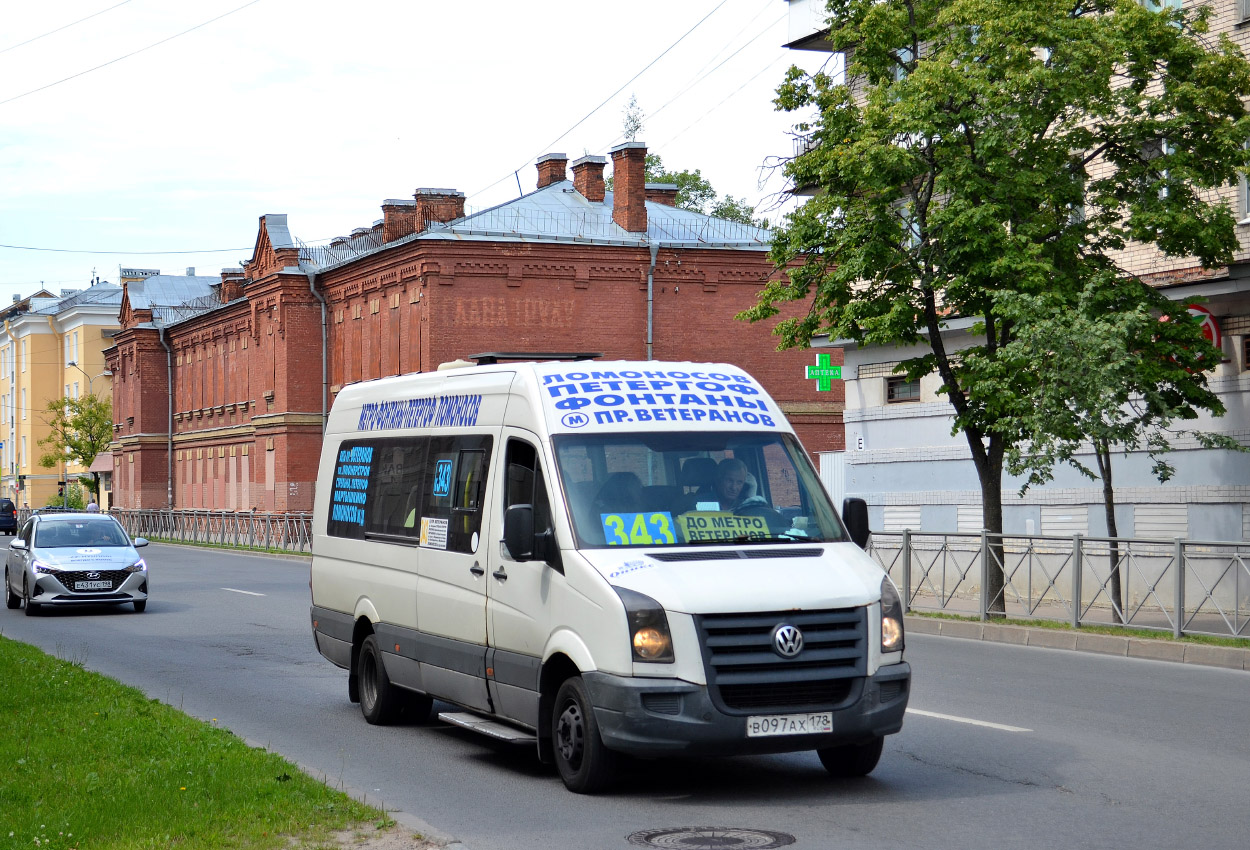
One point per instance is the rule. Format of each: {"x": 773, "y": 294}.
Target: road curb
{"x": 1227, "y": 657}
{"x": 409, "y": 821}
{"x": 226, "y": 550}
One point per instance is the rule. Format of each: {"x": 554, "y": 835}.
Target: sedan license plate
{"x": 767, "y": 725}
{"x": 93, "y": 585}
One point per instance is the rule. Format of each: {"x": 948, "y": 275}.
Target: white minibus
{"x": 600, "y": 558}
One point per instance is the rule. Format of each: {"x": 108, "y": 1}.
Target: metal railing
{"x": 1182, "y": 586}
{"x": 285, "y": 532}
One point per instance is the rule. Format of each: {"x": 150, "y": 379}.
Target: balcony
{"x": 807, "y": 27}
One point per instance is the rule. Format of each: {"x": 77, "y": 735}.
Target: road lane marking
{"x": 955, "y": 719}
{"x": 248, "y": 592}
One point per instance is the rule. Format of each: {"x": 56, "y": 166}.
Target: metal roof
{"x": 557, "y": 213}
{"x": 164, "y": 290}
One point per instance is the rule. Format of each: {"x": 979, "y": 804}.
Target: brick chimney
{"x": 629, "y": 194}
{"x": 662, "y": 193}
{"x": 551, "y": 169}
{"x": 399, "y": 219}
{"x": 439, "y": 205}
{"x": 588, "y": 177}
{"x": 231, "y": 285}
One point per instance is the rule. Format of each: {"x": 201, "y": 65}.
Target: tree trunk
{"x": 989, "y": 464}
{"x": 1102, "y": 452}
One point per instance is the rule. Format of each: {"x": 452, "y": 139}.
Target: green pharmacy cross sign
{"x": 824, "y": 373}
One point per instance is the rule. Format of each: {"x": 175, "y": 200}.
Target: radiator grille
{"x": 745, "y": 674}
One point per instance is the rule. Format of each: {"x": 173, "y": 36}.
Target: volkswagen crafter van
{"x": 600, "y": 558}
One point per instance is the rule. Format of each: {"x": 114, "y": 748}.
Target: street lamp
{"x": 90, "y": 378}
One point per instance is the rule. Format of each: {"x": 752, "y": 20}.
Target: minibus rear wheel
{"x": 852, "y": 760}
{"x": 585, "y": 764}
{"x": 380, "y": 702}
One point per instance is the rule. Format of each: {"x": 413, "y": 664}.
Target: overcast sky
{"x": 321, "y": 110}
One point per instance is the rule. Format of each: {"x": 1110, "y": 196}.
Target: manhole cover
{"x": 710, "y": 838}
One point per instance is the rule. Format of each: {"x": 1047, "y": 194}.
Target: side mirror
{"x": 139, "y": 541}
{"x": 18, "y": 543}
{"x": 518, "y": 532}
{"x": 523, "y": 544}
{"x": 855, "y": 515}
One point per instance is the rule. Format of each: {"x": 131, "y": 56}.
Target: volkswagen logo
{"x": 787, "y": 640}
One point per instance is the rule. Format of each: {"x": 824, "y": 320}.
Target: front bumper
{"x": 656, "y": 717}
{"x": 48, "y": 589}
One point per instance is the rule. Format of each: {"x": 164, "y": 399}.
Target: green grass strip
{"x": 86, "y": 762}
{"x": 1090, "y": 628}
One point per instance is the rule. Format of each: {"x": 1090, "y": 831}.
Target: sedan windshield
{"x": 678, "y": 488}
{"x": 73, "y": 533}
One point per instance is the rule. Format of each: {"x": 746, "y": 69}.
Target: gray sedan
{"x": 75, "y": 559}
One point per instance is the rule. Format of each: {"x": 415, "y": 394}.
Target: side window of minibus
{"x": 455, "y": 481}
{"x": 525, "y": 484}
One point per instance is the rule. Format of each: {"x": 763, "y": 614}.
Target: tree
{"x": 1112, "y": 374}
{"x": 81, "y": 428}
{"x": 985, "y": 157}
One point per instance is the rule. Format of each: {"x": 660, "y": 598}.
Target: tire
{"x": 11, "y": 599}
{"x": 414, "y": 707}
{"x": 585, "y": 764}
{"x": 32, "y": 608}
{"x": 141, "y": 605}
{"x": 380, "y": 701}
{"x": 852, "y": 760}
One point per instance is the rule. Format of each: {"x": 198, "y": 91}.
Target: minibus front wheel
{"x": 585, "y": 764}
{"x": 852, "y": 760}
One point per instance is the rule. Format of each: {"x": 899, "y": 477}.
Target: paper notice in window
{"x": 434, "y": 532}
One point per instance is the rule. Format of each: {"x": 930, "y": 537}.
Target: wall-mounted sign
{"x": 1210, "y": 326}
{"x": 824, "y": 373}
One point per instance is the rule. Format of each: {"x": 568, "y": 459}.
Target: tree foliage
{"x": 80, "y": 429}
{"x": 985, "y": 160}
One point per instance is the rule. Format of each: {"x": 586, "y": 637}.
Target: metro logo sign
{"x": 1206, "y": 321}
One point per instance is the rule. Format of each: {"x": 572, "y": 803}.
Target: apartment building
{"x": 51, "y": 347}
{"x": 902, "y": 457}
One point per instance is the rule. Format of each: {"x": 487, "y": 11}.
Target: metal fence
{"x": 1182, "y": 586}
{"x": 285, "y": 532}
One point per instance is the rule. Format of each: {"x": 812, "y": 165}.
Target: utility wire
{"x": 128, "y": 253}
{"x": 728, "y": 97}
{"x": 128, "y": 55}
{"x": 59, "y": 29}
{"x": 607, "y": 100}
{"x": 690, "y": 86}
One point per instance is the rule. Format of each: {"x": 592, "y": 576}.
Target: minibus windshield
{"x": 692, "y": 488}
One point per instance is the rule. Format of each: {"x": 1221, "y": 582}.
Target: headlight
{"x": 40, "y": 567}
{"x": 891, "y": 617}
{"x": 138, "y": 566}
{"x": 649, "y": 638}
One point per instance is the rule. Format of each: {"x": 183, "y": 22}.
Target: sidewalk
{"x": 1131, "y": 647}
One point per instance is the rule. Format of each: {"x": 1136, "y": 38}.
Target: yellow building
{"x": 50, "y": 348}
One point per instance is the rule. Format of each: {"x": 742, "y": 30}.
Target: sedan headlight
{"x": 891, "y": 617}
{"x": 649, "y": 638}
{"x": 43, "y": 569}
{"x": 138, "y": 566}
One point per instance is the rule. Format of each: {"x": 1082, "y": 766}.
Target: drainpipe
{"x": 655, "y": 250}
{"x": 325, "y": 383}
{"x": 169, "y": 424}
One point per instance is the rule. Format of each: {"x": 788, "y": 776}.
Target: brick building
{"x": 220, "y": 391}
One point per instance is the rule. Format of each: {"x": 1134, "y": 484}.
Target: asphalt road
{"x": 1004, "y": 746}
